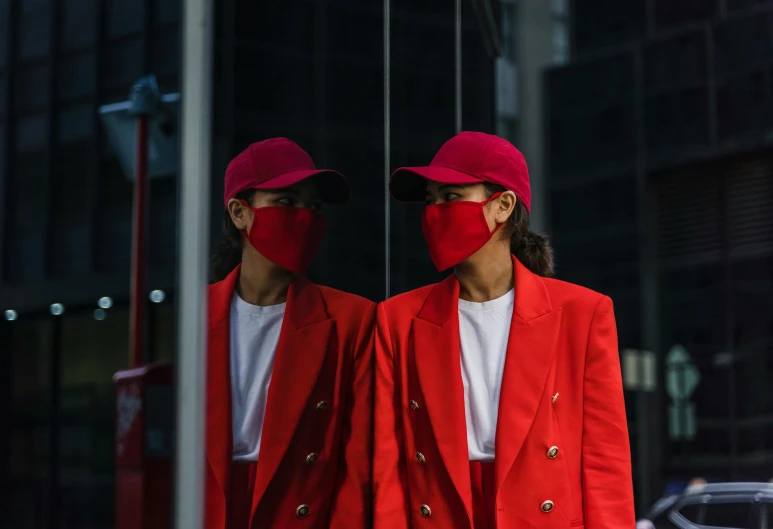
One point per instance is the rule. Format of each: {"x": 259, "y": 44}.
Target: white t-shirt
{"x": 484, "y": 329}
{"x": 254, "y": 338}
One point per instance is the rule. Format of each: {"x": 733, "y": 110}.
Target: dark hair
{"x": 228, "y": 253}
{"x": 531, "y": 248}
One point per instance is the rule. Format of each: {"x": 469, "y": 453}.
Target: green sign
{"x": 682, "y": 376}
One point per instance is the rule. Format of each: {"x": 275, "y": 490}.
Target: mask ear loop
{"x": 492, "y": 198}
{"x": 246, "y": 204}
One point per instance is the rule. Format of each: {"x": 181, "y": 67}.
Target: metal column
{"x": 458, "y": 65}
{"x": 647, "y": 405}
{"x": 198, "y": 18}
{"x": 387, "y": 147}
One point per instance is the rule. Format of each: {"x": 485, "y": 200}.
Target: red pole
{"x": 137, "y": 292}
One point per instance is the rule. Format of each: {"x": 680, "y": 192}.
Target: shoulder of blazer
{"x": 346, "y": 307}
{"x": 407, "y": 305}
{"x": 219, "y": 298}
{"x": 570, "y": 297}
{"x": 344, "y": 301}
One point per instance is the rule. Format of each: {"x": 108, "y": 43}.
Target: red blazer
{"x": 320, "y": 401}
{"x": 561, "y": 387}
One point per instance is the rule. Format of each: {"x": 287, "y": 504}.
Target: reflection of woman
{"x": 289, "y": 403}
{"x": 499, "y": 400}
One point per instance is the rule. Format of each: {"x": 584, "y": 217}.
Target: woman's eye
{"x": 285, "y": 201}
{"x": 451, "y": 196}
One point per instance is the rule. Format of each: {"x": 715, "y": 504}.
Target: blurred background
{"x": 647, "y": 126}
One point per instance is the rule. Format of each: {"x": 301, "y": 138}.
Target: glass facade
{"x": 312, "y": 71}
{"x": 653, "y": 160}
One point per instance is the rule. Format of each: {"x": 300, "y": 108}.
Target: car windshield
{"x": 735, "y": 515}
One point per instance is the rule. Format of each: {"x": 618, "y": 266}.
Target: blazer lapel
{"x": 436, "y": 353}
{"x": 531, "y": 349}
{"x": 303, "y": 346}
{"x": 218, "y": 426}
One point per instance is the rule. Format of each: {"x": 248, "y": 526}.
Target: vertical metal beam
{"x": 47, "y": 195}
{"x": 320, "y": 82}
{"x": 55, "y": 351}
{"x": 5, "y": 174}
{"x": 458, "y": 65}
{"x": 224, "y": 98}
{"x": 729, "y": 320}
{"x": 226, "y": 109}
{"x": 729, "y": 313}
{"x": 711, "y": 84}
{"x": 323, "y": 264}
{"x": 197, "y": 53}
{"x": 94, "y": 184}
{"x": 6, "y": 395}
{"x": 387, "y": 146}
{"x": 49, "y": 229}
{"x": 646, "y": 429}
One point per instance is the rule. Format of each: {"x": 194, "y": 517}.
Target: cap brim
{"x": 333, "y": 185}
{"x": 409, "y": 184}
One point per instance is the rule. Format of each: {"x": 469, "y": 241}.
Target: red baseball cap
{"x": 467, "y": 158}
{"x": 277, "y": 163}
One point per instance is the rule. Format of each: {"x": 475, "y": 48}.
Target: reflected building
{"x": 65, "y": 221}
{"x": 660, "y": 186}
{"x": 309, "y": 70}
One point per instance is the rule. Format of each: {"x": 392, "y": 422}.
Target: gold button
{"x": 302, "y": 511}
{"x": 414, "y": 404}
{"x": 426, "y": 512}
{"x": 420, "y": 458}
{"x": 553, "y": 452}
{"x": 322, "y": 405}
{"x": 312, "y": 458}
{"x": 547, "y": 506}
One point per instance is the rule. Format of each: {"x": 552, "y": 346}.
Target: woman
{"x": 499, "y": 399}
{"x": 289, "y": 380}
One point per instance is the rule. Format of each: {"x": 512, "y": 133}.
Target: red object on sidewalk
{"x": 143, "y": 442}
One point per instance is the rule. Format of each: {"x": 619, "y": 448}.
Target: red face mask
{"x": 287, "y": 236}
{"x": 455, "y": 230}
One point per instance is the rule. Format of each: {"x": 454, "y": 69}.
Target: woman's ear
{"x": 240, "y": 214}
{"x": 505, "y": 206}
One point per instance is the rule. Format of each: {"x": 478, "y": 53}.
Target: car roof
{"x": 695, "y": 493}
{"x": 729, "y": 488}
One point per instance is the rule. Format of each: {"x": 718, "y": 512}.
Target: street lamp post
{"x": 144, "y": 99}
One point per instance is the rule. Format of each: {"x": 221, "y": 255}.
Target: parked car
{"x": 717, "y": 505}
